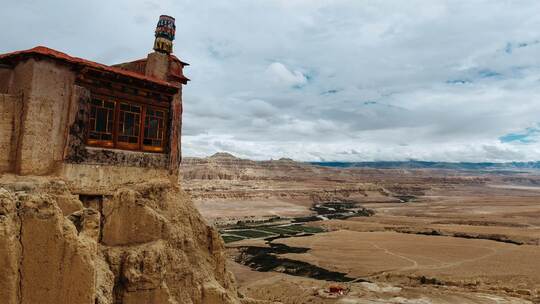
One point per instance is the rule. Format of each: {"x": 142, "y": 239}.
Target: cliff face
{"x": 223, "y": 176}
{"x": 224, "y": 166}
{"x": 143, "y": 244}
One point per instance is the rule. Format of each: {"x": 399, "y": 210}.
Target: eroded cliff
{"x": 140, "y": 244}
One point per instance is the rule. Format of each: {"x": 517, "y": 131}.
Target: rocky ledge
{"x": 143, "y": 244}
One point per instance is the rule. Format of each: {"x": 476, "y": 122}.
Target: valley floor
{"x": 433, "y": 237}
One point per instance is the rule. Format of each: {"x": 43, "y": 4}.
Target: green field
{"x": 278, "y": 230}
{"x": 233, "y": 235}
{"x": 306, "y": 229}
{"x": 249, "y": 233}
{"x": 231, "y": 238}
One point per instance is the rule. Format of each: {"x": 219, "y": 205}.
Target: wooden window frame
{"x": 101, "y": 142}
{"x": 165, "y": 118}
{"x": 117, "y": 123}
{"x": 139, "y": 146}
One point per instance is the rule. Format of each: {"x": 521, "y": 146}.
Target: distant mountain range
{"x": 413, "y": 164}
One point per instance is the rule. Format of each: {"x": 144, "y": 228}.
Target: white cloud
{"x": 281, "y": 74}
{"x": 318, "y": 79}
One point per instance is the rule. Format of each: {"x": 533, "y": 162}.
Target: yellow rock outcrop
{"x": 142, "y": 244}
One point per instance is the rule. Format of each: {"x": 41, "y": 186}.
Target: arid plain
{"x": 299, "y": 233}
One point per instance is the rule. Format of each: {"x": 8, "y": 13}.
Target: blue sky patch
{"x": 458, "y": 81}
{"x": 509, "y": 48}
{"x": 487, "y": 73}
{"x": 526, "y": 137}
{"x": 330, "y": 92}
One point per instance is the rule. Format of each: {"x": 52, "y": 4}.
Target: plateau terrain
{"x": 320, "y": 233}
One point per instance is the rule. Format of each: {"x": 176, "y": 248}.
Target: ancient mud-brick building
{"x": 93, "y": 124}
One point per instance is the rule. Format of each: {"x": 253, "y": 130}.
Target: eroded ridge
{"x": 137, "y": 244}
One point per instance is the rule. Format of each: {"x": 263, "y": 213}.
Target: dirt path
{"x": 412, "y": 267}
{"x": 415, "y": 265}
{"x": 493, "y": 252}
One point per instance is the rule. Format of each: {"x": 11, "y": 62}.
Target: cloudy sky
{"x": 325, "y": 80}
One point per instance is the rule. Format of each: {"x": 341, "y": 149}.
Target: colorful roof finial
{"x": 165, "y": 31}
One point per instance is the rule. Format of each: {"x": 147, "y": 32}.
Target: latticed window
{"x": 154, "y": 129}
{"x": 101, "y": 122}
{"x": 127, "y": 125}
